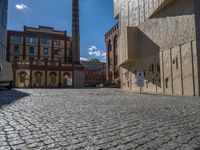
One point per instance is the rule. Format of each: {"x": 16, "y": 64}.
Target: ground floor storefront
{"x": 44, "y": 74}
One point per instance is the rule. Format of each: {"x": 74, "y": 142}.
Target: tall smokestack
{"x": 75, "y": 32}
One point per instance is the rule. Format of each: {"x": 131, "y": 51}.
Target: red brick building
{"x": 111, "y": 40}
{"x": 42, "y": 57}
{"x": 95, "y": 72}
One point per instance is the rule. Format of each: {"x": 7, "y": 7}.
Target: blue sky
{"x": 96, "y": 18}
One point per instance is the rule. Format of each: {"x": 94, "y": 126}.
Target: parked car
{"x": 6, "y": 74}
{"x": 100, "y": 85}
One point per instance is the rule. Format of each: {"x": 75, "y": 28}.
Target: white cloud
{"x": 21, "y": 6}
{"x": 83, "y": 59}
{"x": 97, "y": 53}
{"x": 104, "y": 54}
{"x": 94, "y": 51}
{"x": 92, "y": 48}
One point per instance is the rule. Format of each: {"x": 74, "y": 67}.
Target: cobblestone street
{"x": 97, "y": 119}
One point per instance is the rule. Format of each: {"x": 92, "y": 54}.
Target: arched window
{"x": 109, "y": 46}
{"x": 53, "y": 76}
{"x": 22, "y": 77}
{"x": 38, "y": 79}
{"x": 115, "y": 50}
{"x": 115, "y": 42}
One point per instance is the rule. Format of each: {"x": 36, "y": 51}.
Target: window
{"x": 38, "y": 79}
{"x": 166, "y": 82}
{"x": 16, "y": 49}
{"x": 177, "y": 64}
{"x": 16, "y": 58}
{"x": 109, "y": 46}
{"x": 53, "y": 79}
{"x": 44, "y": 41}
{"x": 115, "y": 42}
{"x": 60, "y": 59}
{"x": 110, "y": 61}
{"x": 92, "y": 66}
{"x": 158, "y": 67}
{"x": 152, "y": 68}
{"x": 57, "y": 43}
{"x": 22, "y": 77}
{"x": 16, "y": 38}
{"x": 147, "y": 84}
{"x": 31, "y": 50}
{"x": 46, "y": 51}
{"x": 31, "y": 40}
{"x": 58, "y": 51}
{"x": 70, "y": 59}
{"x": 31, "y": 58}
{"x": 45, "y": 59}
{"x": 70, "y": 53}
{"x": 1, "y": 67}
{"x": 153, "y": 81}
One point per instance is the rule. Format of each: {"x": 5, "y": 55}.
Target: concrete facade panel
{"x": 166, "y": 38}
{"x": 176, "y": 70}
{"x": 188, "y": 88}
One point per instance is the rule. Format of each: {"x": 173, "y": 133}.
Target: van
{"x": 6, "y": 74}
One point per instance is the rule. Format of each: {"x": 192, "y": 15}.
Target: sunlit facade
{"x": 162, "y": 38}
{"x": 42, "y": 57}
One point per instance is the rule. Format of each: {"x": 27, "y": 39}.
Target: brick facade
{"x": 111, "y": 40}
{"x": 42, "y": 57}
{"x": 95, "y": 73}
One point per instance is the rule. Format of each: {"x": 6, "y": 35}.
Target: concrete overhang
{"x": 128, "y": 51}
{"x": 163, "y": 4}
{"x": 126, "y": 63}
{"x": 117, "y": 8}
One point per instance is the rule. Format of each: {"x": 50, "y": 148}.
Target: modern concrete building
{"x": 162, "y": 37}
{"x": 95, "y": 73}
{"x": 3, "y": 28}
{"x": 42, "y": 57}
{"x": 112, "y": 68}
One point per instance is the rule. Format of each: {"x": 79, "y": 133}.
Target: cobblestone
{"x": 97, "y": 119}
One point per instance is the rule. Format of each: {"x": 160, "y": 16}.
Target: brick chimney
{"x": 75, "y": 32}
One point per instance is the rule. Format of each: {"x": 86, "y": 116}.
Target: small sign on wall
{"x": 140, "y": 78}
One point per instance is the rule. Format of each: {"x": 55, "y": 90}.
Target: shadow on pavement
{"x": 9, "y": 96}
